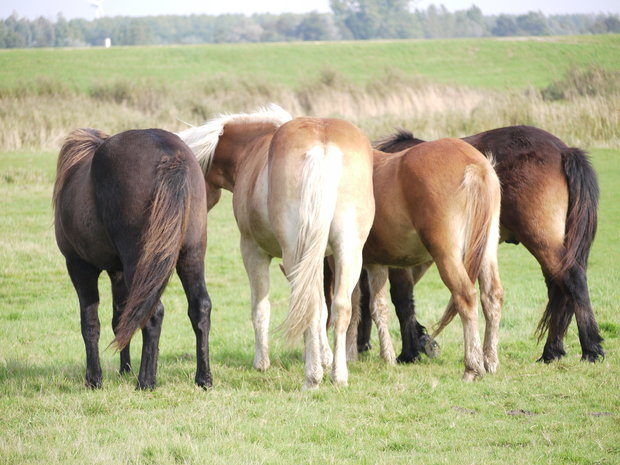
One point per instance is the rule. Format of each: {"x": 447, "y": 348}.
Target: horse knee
{"x": 342, "y": 312}
{"x": 199, "y": 311}
{"x": 466, "y": 303}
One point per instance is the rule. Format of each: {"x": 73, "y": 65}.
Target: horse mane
{"x": 400, "y": 140}
{"x": 202, "y": 140}
{"x": 79, "y": 144}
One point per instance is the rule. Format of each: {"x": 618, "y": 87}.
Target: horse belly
{"x": 393, "y": 249}
{"x": 253, "y": 221}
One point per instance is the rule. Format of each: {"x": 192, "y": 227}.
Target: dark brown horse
{"x": 122, "y": 204}
{"x": 549, "y": 204}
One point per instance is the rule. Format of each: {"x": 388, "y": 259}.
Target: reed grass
{"x": 40, "y": 119}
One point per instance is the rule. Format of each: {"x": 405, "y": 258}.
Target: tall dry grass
{"x": 39, "y": 118}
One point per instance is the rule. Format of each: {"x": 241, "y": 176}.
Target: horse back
{"x": 300, "y": 140}
{"x": 124, "y": 176}
{"x": 419, "y": 197}
{"x": 535, "y": 197}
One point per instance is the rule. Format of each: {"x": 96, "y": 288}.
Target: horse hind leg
{"x": 256, "y": 264}
{"x": 84, "y": 278}
{"x": 492, "y": 298}
{"x": 364, "y": 326}
{"x": 119, "y": 296}
{"x": 147, "y": 378}
{"x": 190, "y": 269}
{"x": 589, "y": 333}
{"x": 555, "y": 321}
{"x": 464, "y": 302}
{"x": 379, "y": 310}
{"x": 353, "y": 336}
{"x": 568, "y": 295}
{"x": 348, "y": 265}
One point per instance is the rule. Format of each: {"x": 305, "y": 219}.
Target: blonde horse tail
{"x": 319, "y": 191}
{"x": 481, "y": 230}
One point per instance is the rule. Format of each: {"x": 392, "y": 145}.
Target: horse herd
{"x": 135, "y": 205}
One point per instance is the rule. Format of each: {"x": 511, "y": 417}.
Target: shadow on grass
{"x": 231, "y": 369}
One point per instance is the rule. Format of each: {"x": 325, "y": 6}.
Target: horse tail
{"x": 80, "y": 145}
{"x": 581, "y": 219}
{"x": 481, "y": 188}
{"x": 161, "y": 243}
{"x": 319, "y": 191}
{"x": 580, "y": 227}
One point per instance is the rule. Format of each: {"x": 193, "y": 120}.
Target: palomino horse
{"x": 429, "y": 209}
{"x": 122, "y": 204}
{"x": 320, "y": 198}
{"x": 549, "y": 204}
{"x": 233, "y": 151}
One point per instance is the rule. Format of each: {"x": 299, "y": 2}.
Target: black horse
{"x": 549, "y": 204}
{"x": 134, "y": 205}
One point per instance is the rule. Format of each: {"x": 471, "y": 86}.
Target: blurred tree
{"x": 505, "y": 26}
{"x": 606, "y": 25}
{"x": 533, "y": 24}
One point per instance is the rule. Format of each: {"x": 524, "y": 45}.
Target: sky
{"x": 82, "y": 9}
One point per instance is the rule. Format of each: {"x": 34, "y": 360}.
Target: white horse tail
{"x": 481, "y": 188}
{"x": 320, "y": 178}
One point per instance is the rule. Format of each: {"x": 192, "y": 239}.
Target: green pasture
{"x": 566, "y": 412}
{"x": 488, "y": 63}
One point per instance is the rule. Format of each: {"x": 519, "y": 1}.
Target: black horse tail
{"x": 581, "y": 219}
{"x": 580, "y": 229}
{"x": 80, "y": 145}
{"x": 162, "y": 239}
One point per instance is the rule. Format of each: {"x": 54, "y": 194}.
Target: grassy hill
{"x": 484, "y": 63}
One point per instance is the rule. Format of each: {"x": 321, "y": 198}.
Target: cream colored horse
{"x": 320, "y": 202}
{"x": 233, "y": 152}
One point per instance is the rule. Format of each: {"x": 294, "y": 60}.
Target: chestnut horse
{"x": 439, "y": 201}
{"x": 549, "y": 204}
{"x": 234, "y": 152}
{"x": 134, "y": 205}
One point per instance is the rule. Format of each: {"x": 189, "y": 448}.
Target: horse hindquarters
{"x": 320, "y": 194}
{"x": 567, "y": 287}
{"x": 476, "y": 255}
{"x": 150, "y": 228}
{"x": 303, "y": 234}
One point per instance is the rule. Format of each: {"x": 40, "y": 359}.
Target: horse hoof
{"x": 339, "y": 378}
{"x": 471, "y": 376}
{"x": 150, "y": 386}
{"x": 491, "y": 367}
{"x": 364, "y": 347}
{"x": 389, "y": 358}
{"x": 408, "y": 358}
{"x": 262, "y": 365}
{"x": 593, "y": 357}
{"x": 205, "y": 383}
{"x": 93, "y": 383}
{"x": 310, "y": 386}
{"x": 431, "y": 347}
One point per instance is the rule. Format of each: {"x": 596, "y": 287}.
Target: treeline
{"x": 349, "y": 20}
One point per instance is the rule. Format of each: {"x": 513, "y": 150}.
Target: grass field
{"x": 566, "y": 412}
{"x": 487, "y": 63}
